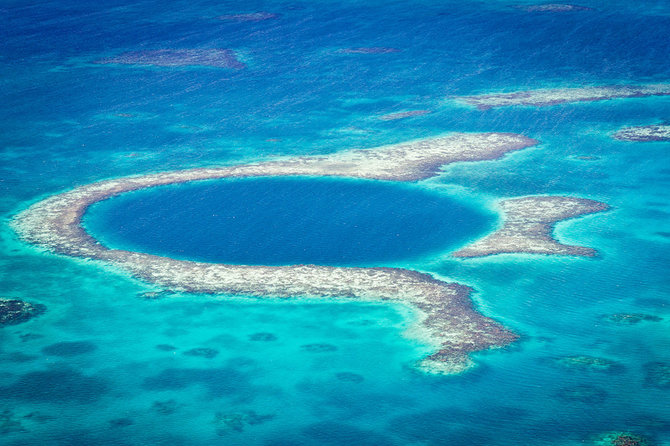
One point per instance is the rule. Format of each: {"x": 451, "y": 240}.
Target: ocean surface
{"x": 287, "y": 221}
{"x": 116, "y": 361}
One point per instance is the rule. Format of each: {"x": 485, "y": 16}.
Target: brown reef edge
{"x": 446, "y": 319}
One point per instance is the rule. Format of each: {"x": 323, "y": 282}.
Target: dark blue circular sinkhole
{"x": 286, "y": 220}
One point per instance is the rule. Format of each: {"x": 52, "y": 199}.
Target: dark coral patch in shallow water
{"x": 202, "y": 352}
{"x": 227, "y": 423}
{"x": 631, "y": 318}
{"x": 155, "y": 295}
{"x": 349, "y": 377}
{"x": 620, "y": 439}
{"x": 14, "y": 311}
{"x": 318, "y": 348}
{"x": 262, "y": 337}
{"x": 56, "y": 386}
{"x": 10, "y": 423}
{"x": 165, "y": 407}
{"x": 121, "y": 422}
{"x": 228, "y": 381}
{"x": 657, "y": 374}
{"x": 166, "y": 347}
{"x": 27, "y": 337}
{"x": 74, "y": 348}
{"x": 19, "y": 357}
{"x": 589, "y": 363}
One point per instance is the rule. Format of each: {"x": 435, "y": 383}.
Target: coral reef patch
{"x": 585, "y": 393}
{"x": 589, "y": 363}
{"x": 657, "y": 374}
{"x": 218, "y": 58}
{"x": 620, "y": 439}
{"x": 403, "y": 115}
{"x": 227, "y": 423}
{"x": 202, "y": 352}
{"x": 630, "y": 318}
{"x": 528, "y": 224}
{"x": 15, "y": 311}
{"x": 645, "y": 133}
{"x": 554, "y": 96}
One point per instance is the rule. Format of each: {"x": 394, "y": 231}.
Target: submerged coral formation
{"x": 227, "y": 423}
{"x": 249, "y": 17}
{"x": 553, "y": 96}
{"x": 445, "y": 319}
{"x": 202, "y": 352}
{"x": 590, "y": 363}
{"x": 657, "y": 374}
{"x": 14, "y": 311}
{"x": 403, "y": 115}
{"x": 645, "y": 133}
{"x": 620, "y": 439}
{"x": 219, "y": 58}
{"x": 552, "y": 7}
{"x": 631, "y": 318}
{"x": 369, "y": 50}
{"x": 528, "y": 224}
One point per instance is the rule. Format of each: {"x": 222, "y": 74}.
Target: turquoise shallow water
{"x": 288, "y": 372}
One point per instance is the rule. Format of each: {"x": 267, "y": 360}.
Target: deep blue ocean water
{"x": 287, "y": 221}
{"x": 105, "y": 366}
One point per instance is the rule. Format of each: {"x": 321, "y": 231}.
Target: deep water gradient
{"x": 281, "y": 221}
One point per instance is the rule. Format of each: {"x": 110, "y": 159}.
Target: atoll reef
{"x": 553, "y": 7}
{"x": 554, "y": 96}
{"x": 14, "y": 311}
{"x": 446, "y": 317}
{"x": 620, "y": 439}
{"x": 403, "y": 115}
{"x": 249, "y": 17}
{"x": 528, "y": 224}
{"x": 219, "y": 58}
{"x": 645, "y": 133}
